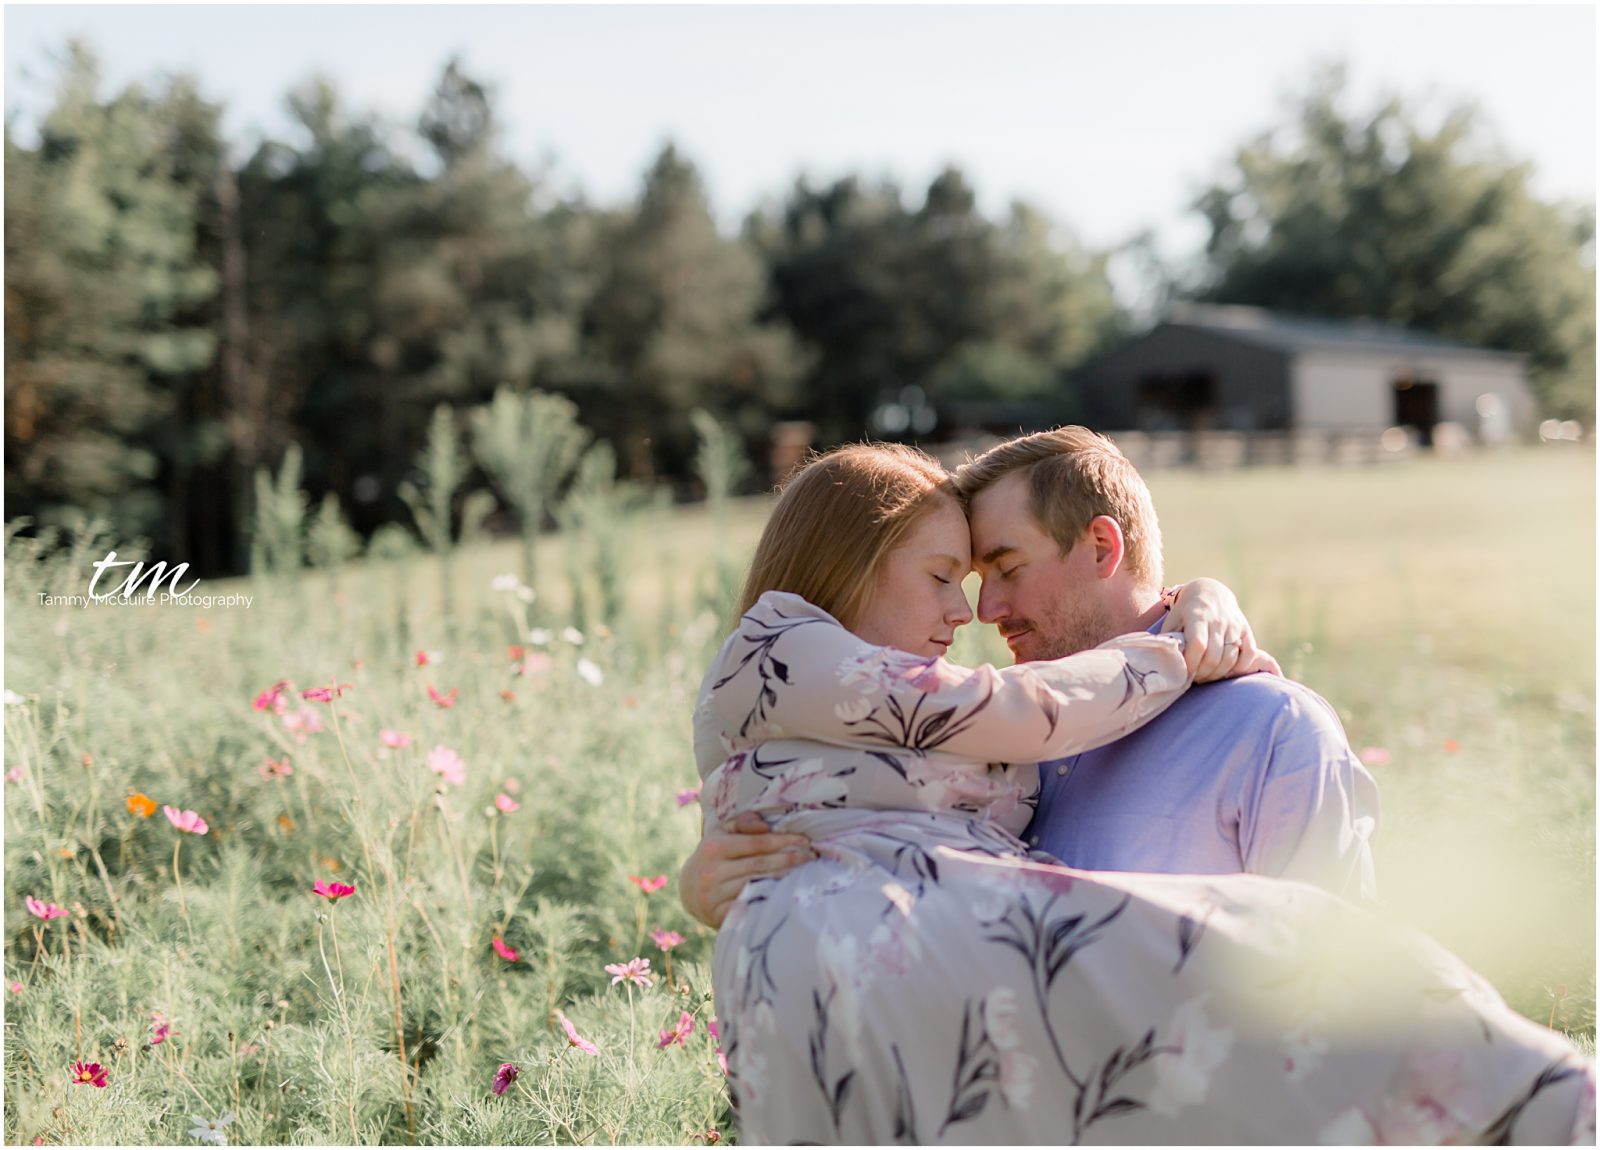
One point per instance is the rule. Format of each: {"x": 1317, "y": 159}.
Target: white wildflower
{"x": 572, "y": 635}
{"x": 526, "y": 593}
{"x": 13, "y": 699}
{"x": 590, "y": 674}
{"x": 506, "y": 583}
{"x": 212, "y": 1130}
{"x": 540, "y": 637}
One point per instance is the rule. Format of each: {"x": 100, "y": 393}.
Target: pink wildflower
{"x": 648, "y": 885}
{"x": 576, "y": 1039}
{"x": 537, "y": 663}
{"x": 45, "y": 910}
{"x": 714, "y": 1030}
{"x": 422, "y": 658}
{"x": 393, "y": 738}
{"x": 302, "y": 723}
{"x": 507, "y": 1072}
{"x": 14, "y": 987}
{"x": 160, "y": 1028}
{"x": 688, "y": 796}
{"x": 275, "y": 768}
{"x": 680, "y": 1030}
{"x": 635, "y": 970}
{"x": 1374, "y": 756}
{"x": 504, "y": 951}
{"x": 272, "y": 698}
{"x": 448, "y": 700}
{"x": 332, "y": 891}
{"x": 448, "y": 765}
{"x": 16, "y": 774}
{"x": 186, "y": 821}
{"x": 667, "y": 939}
{"x": 88, "y": 1074}
{"x": 505, "y": 804}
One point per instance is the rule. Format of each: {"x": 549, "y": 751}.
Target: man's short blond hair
{"x": 1073, "y": 475}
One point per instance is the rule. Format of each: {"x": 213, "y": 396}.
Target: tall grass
{"x": 1446, "y": 608}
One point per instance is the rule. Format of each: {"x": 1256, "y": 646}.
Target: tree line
{"x": 178, "y": 316}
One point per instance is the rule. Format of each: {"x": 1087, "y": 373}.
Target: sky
{"x": 1109, "y": 118}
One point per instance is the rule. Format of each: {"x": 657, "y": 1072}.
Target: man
{"x": 1251, "y": 774}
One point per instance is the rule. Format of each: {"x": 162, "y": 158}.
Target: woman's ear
{"x": 1105, "y": 537}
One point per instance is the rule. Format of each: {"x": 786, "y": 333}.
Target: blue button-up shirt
{"x": 1249, "y": 774}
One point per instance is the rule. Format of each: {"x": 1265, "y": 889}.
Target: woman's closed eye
{"x": 942, "y": 579}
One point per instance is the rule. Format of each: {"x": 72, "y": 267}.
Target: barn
{"x": 1240, "y": 369}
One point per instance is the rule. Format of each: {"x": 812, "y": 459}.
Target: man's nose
{"x": 991, "y": 605}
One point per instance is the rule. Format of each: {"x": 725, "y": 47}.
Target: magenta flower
{"x": 89, "y": 1074}
{"x": 505, "y": 804}
{"x": 16, "y": 774}
{"x": 667, "y": 939}
{"x": 272, "y": 698}
{"x": 332, "y": 891}
{"x": 446, "y": 700}
{"x": 160, "y": 1028}
{"x": 688, "y": 796}
{"x": 576, "y": 1039}
{"x": 680, "y": 1030}
{"x": 714, "y": 1030}
{"x": 45, "y": 910}
{"x": 393, "y": 738}
{"x": 448, "y": 765}
{"x": 15, "y": 987}
{"x": 506, "y": 1074}
{"x": 504, "y": 951}
{"x": 635, "y": 970}
{"x": 648, "y": 885}
{"x": 186, "y": 821}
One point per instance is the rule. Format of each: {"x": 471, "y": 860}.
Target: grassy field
{"x": 1446, "y": 608}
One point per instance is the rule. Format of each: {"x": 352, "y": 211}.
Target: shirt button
{"x": 1034, "y": 841}
{"x": 1062, "y": 769}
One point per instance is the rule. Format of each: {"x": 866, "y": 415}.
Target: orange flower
{"x": 508, "y": 696}
{"x": 286, "y": 824}
{"x": 1451, "y": 746}
{"x": 142, "y": 805}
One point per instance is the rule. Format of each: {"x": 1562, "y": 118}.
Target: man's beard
{"x": 1076, "y": 626}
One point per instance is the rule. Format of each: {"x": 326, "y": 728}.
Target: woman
{"x": 928, "y": 981}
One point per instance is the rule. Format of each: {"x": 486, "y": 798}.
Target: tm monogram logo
{"x": 130, "y": 585}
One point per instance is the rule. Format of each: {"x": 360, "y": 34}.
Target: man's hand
{"x": 725, "y": 860}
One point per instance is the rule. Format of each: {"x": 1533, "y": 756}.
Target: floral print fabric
{"x": 928, "y": 980}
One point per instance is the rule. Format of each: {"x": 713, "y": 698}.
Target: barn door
{"x": 1416, "y": 404}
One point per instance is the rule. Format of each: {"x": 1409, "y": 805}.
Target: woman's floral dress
{"x": 928, "y": 981}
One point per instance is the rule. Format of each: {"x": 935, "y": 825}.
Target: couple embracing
{"x": 914, "y": 963}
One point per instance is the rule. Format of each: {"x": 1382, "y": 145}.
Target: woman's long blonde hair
{"x": 838, "y": 517}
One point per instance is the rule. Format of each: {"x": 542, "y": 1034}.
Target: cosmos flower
{"x": 141, "y": 804}
{"x": 160, "y": 1028}
{"x": 572, "y": 635}
{"x": 213, "y": 1130}
{"x": 16, "y": 774}
{"x": 505, "y": 804}
{"x": 444, "y": 701}
{"x": 44, "y": 910}
{"x": 302, "y": 723}
{"x": 504, "y": 1076}
{"x": 332, "y": 891}
{"x": 393, "y": 738}
{"x": 679, "y": 1031}
{"x": 590, "y": 673}
{"x": 1375, "y": 756}
{"x": 635, "y": 970}
{"x": 504, "y": 951}
{"x": 88, "y": 1074}
{"x": 275, "y": 768}
{"x": 272, "y": 698}
{"x": 188, "y": 822}
{"x": 448, "y": 765}
{"x": 576, "y": 1039}
{"x": 648, "y": 885}
{"x": 540, "y": 637}
{"x": 667, "y": 939}
{"x": 685, "y": 797}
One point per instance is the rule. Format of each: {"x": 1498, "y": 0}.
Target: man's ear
{"x": 1105, "y": 538}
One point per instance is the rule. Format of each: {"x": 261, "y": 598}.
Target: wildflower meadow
{"x": 389, "y": 854}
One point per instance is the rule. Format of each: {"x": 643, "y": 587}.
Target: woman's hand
{"x": 1218, "y": 642}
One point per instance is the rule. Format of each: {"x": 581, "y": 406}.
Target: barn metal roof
{"x": 1281, "y": 331}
